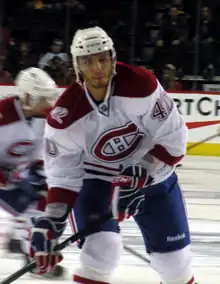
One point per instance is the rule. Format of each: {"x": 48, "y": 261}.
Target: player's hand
{"x": 43, "y": 239}
{"x": 128, "y": 198}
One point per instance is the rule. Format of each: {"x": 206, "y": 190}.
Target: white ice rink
{"x": 200, "y": 180}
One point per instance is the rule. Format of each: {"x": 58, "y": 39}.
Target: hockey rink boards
{"x": 200, "y": 181}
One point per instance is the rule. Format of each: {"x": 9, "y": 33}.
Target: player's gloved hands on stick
{"x": 128, "y": 198}
{"x": 43, "y": 239}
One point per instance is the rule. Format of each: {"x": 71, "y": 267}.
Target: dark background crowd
{"x": 178, "y": 40}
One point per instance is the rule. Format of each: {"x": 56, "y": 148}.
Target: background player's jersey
{"x": 17, "y": 141}
{"x": 137, "y": 122}
{"x": 38, "y": 125}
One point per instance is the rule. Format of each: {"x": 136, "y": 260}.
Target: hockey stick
{"x": 204, "y": 140}
{"x": 90, "y": 229}
{"x": 137, "y": 254}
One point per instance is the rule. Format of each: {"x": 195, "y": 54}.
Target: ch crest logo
{"x": 20, "y": 149}
{"x": 117, "y": 144}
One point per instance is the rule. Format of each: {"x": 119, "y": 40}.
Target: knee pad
{"x": 174, "y": 267}
{"x": 100, "y": 256}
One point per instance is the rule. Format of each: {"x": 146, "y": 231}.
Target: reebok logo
{"x": 176, "y": 238}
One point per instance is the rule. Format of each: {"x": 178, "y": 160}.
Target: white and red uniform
{"x": 85, "y": 144}
{"x": 20, "y": 145}
{"x": 17, "y": 137}
{"x": 137, "y": 118}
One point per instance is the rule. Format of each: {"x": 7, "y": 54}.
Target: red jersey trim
{"x": 83, "y": 280}
{"x": 70, "y": 107}
{"x": 9, "y": 112}
{"x": 134, "y": 82}
{"x": 102, "y": 167}
{"x": 61, "y": 195}
{"x": 161, "y": 153}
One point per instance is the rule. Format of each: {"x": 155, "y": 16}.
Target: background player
{"x": 23, "y": 183}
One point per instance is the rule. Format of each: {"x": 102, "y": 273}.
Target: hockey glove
{"x": 35, "y": 185}
{"x": 128, "y": 198}
{"x": 8, "y": 178}
{"x": 43, "y": 239}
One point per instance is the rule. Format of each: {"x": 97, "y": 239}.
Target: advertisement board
{"x": 201, "y": 112}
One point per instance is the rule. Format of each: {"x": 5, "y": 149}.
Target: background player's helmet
{"x": 37, "y": 83}
{"x": 91, "y": 41}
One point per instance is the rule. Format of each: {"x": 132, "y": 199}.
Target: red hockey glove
{"x": 44, "y": 237}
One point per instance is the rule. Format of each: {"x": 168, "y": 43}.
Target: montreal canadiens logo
{"x": 118, "y": 144}
{"x": 21, "y": 148}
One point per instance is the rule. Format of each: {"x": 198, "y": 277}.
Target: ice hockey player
{"x": 24, "y": 83}
{"x": 22, "y": 180}
{"x": 114, "y": 126}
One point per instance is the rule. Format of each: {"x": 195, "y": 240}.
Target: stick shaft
{"x": 202, "y": 141}
{"x": 137, "y": 254}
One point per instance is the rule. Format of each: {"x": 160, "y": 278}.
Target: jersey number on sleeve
{"x": 162, "y": 108}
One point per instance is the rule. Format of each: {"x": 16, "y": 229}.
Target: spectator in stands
{"x": 169, "y": 80}
{"x": 55, "y": 56}
{"x": 55, "y": 62}
{"x": 209, "y": 72}
{"x": 70, "y": 76}
{"x": 207, "y": 39}
{"x": 19, "y": 57}
{"x": 61, "y": 72}
{"x": 175, "y": 28}
{"x": 27, "y": 57}
{"x": 173, "y": 35}
{"x": 113, "y": 22}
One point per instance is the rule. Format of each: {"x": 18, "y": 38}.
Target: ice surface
{"x": 200, "y": 181}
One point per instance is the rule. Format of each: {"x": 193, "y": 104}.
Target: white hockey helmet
{"x": 37, "y": 83}
{"x": 91, "y": 41}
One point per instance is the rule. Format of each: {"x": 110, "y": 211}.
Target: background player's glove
{"x": 8, "y": 177}
{"x": 35, "y": 185}
{"x": 44, "y": 236}
{"x": 128, "y": 198}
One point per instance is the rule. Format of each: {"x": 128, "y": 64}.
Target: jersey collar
{"x": 103, "y": 107}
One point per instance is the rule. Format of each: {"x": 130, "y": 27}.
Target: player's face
{"x": 96, "y": 69}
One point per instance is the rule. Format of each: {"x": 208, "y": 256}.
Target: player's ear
{"x": 78, "y": 64}
{"x": 80, "y": 74}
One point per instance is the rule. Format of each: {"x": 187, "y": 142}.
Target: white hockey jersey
{"x": 17, "y": 141}
{"x": 137, "y": 123}
{"x": 38, "y": 125}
